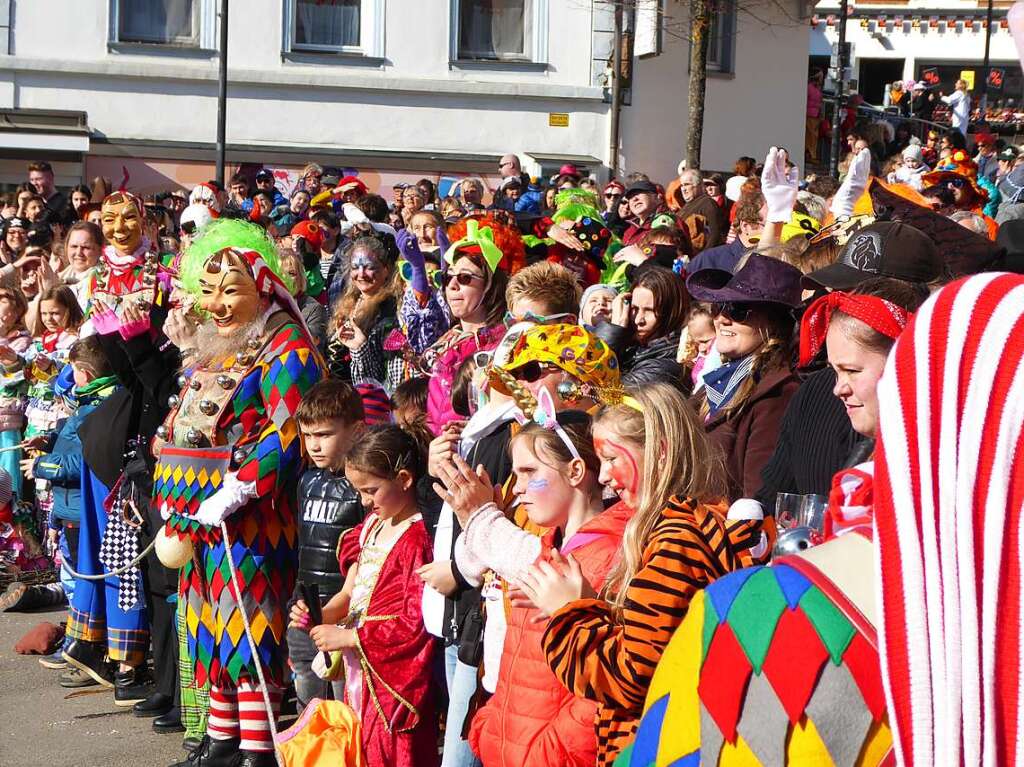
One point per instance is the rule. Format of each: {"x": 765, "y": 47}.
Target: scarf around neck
{"x": 721, "y": 383}
{"x": 119, "y": 263}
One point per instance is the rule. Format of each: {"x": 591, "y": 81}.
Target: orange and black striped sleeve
{"x": 612, "y": 661}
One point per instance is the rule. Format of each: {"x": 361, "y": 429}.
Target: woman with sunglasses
{"x": 743, "y": 401}
{"x": 645, "y": 326}
{"x": 366, "y": 314}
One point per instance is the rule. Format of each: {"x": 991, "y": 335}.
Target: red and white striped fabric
{"x": 949, "y": 492}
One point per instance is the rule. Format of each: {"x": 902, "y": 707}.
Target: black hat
{"x": 264, "y": 173}
{"x": 882, "y": 249}
{"x": 641, "y": 187}
{"x": 756, "y": 279}
{"x": 16, "y": 222}
{"x": 1011, "y": 239}
{"x": 1009, "y": 154}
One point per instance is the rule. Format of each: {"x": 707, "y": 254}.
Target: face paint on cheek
{"x": 537, "y": 485}
{"x": 625, "y": 472}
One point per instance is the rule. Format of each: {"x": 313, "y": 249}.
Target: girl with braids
{"x": 366, "y": 314}
{"x": 373, "y": 627}
{"x": 603, "y": 647}
{"x": 743, "y": 401}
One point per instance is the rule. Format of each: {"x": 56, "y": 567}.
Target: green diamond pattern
{"x": 755, "y": 613}
{"x": 834, "y": 629}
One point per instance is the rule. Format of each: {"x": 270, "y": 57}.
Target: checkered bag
{"x": 120, "y": 546}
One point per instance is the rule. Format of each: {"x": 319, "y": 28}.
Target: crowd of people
{"x": 557, "y": 472}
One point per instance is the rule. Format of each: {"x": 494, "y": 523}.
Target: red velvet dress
{"x": 396, "y": 653}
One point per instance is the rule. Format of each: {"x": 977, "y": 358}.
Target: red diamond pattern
{"x": 794, "y": 662}
{"x": 723, "y": 680}
{"x": 862, "y": 660}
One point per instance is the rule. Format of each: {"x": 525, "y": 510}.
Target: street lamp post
{"x": 222, "y": 91}
{"x": 983, "y": 101}
{"x": 833, "y": 164}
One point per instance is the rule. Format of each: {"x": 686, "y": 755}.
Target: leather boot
{"x": 19, "y": 597}
{"x": 156, "y": 704}
{"x": 131, "y": 687}
{"x": 91, "y": 659}
{"x": 256, "y": 759}
{"x": 212, "y": 753}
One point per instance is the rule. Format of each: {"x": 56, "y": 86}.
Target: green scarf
{"x": 94, "y": 386}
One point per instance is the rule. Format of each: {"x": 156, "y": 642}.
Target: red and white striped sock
{"x": 223, "y": 721}
{"x": 252, "y": 714}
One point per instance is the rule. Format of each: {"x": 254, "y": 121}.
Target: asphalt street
{"x": 41, "y": 727}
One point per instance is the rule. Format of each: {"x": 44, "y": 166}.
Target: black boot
{"x": 91, "y": 659}
{"x": 19, "y": 597}
{"x": 169, "y": 722}
{"x": 256, "y": 759}
{"x": 156, "y": 704}
{"x": 131, "y": 687}
{"x": 212, "y": 753}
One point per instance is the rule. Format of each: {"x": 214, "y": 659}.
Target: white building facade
{"x": 391, "y": 89}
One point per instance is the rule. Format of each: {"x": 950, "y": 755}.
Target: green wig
{"x": 226, "y": 233}
{"x": 574, "y": 204}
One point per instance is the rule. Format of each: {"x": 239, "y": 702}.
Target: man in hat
{"x": 646, "y": 210}
{"x": 234, "y": 418}
{"x": 1008, "y": 159}
{"x": 265, "y": 184}
{"x": 987, "y": 158}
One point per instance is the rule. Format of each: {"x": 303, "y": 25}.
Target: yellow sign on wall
{"x": 967, "y": 76}
{"x": 558, "y": 119}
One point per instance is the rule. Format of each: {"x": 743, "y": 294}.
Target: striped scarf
{"x": 949, "y": 492}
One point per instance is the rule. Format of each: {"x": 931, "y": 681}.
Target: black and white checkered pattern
{"x": 119, "y": 547}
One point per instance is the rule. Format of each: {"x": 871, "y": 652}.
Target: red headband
{"x": 877, "y": 313}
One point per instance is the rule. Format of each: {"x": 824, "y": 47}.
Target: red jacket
{"x": 532, "y": 720}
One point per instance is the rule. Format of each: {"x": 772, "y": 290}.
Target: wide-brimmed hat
{"x": 756, "y": 279}
{"x": 958, "y": 166}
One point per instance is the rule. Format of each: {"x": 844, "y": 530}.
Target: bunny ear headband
{"x": 545, "y": 417}
{"x": 542, "y": 407}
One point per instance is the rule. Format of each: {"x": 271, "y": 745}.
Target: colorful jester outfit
{"x": 777, "y": 665}
{"x": 231, "y": 433}
{"x": 237, "y": 418}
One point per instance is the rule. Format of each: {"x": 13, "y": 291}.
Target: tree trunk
{"x": 700, "y": 27}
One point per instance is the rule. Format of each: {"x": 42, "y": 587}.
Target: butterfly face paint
{"x": 620, "y": 466}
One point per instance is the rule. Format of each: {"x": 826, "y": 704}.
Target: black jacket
{"x": 640, "y": 365}
{"x": 815, "y": 441}
{"x": 328, "y": 506}
{"x": 116, "y": 436}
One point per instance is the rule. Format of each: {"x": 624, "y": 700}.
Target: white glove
{"x": 853, "y": 185}
{"x": 232, "y": 495}
{"x": 779, "y": 187}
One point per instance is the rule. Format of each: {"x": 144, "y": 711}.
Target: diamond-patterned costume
{"x": 771, "y": 666}
{"x": 255, "y": 435}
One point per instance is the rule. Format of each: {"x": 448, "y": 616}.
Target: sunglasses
{"x": 539, "y": 319}
{"x": 612, "y": 195}
{"x": 736, "y": 311}
{"x": 531, "y": 372}
{"x": 465, "y": 279}
{"x": 436, "y": 278}
{"x": 959, "y": 183}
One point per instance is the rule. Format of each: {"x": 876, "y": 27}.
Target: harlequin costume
{"x": 777, "y": 665}
{"x": 389, "y": 675}
{"x": 231, "y": 439}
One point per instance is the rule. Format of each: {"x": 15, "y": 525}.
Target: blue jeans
{"x": 67, "y": 580}
{"x": 461, "y": 681}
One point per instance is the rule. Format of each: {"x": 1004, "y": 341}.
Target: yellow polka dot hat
{"x": 579, "y": 353}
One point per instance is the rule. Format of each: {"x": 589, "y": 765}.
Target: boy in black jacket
{"x": 330, "y": 418}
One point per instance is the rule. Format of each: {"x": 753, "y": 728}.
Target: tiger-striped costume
{"x": 611, "y": 658}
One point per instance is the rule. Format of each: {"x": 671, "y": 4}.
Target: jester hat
{"x": 579, "y": 353}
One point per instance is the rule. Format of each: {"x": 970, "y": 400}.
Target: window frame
{"x": 723, "y": 20}
{"x": 204, "y": 39}
{"x": 535, "y": 49}
{"x": 371, "y": 33}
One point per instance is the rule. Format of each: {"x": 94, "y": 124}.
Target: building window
{"x": 335, "y": 26}
{"x": 722, "y": 41}
{"x": 159, "y": 22}
{"x": 326, "y": 25}
{"x": 495, "y": 30}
